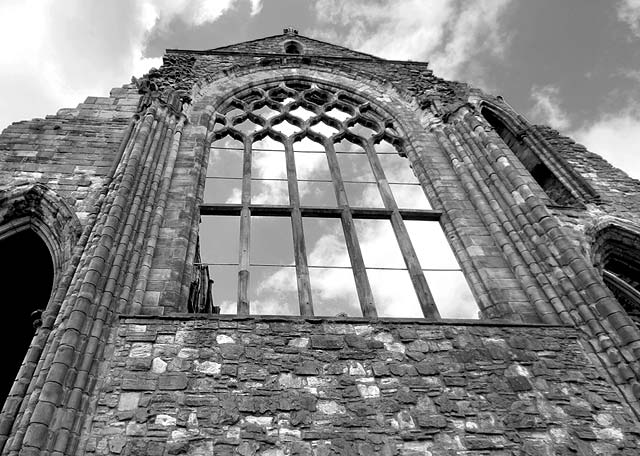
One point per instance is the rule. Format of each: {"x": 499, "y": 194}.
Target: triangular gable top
{"x": 275, "y": 45}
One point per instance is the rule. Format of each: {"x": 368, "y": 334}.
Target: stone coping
{"x": 300, "y": 56}
{"x": 344, "y": 320}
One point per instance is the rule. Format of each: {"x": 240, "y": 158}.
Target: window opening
{"x": 355, "y": 168}
{"x": 287, "y": 101}
{"x": 361, "y": 194}
{"x": 221, "y": 249}
{"x": 409, "y": 196}
{"x": 292, "y": 47}
{"x": 540, "y": 172}
{"x": 247, "y": 127}
{"x": 233, "y": 114}
{"x": 24, "y": 256}
{"x": 616, "y": 254}
{"x": 266, "y": 112}
{"x": 269, "y": 173}
{"x": 338, "y": 114}
{"x": 302, "y": 113}
{"x": 224, "y": 172}
{"x": 361, "y": 130}
{"x": 393, "y": 292}
{"x": 324, "y": 129}
{"x": 333, "y": 288}
{"x": 326, "y": 226}
{"x": 347, "y": 147}
{"x": 286, "y": 128}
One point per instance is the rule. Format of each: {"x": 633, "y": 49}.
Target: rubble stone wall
{"x": 281, "y": 386}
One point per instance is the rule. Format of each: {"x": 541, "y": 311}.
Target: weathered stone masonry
{"x": 114, "y": 186}
{"x": 272, "y": 386}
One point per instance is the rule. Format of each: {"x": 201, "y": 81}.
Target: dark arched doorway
{"x": 26, "y": 279}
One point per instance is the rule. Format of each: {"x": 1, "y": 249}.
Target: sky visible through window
{"x": 273, "y": 285}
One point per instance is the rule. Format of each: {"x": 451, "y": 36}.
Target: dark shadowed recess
{"x": 26, "y": 277}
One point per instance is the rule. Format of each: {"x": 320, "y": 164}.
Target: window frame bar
{"x": 363, "y": 287}
{"x": 422, "y": 290}
{"x": 243, "y": 305}
{"x": 299, "y": 247}
{"x": 269, "y": 210}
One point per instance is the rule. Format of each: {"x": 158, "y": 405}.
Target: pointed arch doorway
{"x": 38, "y": 233}
{"x": 26, "y": 280}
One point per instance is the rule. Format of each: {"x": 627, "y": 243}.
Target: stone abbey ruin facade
{"x": 285, "y": 247}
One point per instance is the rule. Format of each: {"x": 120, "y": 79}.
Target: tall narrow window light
{"x": 327, "y": 214}
{"x": 541, "y": 173}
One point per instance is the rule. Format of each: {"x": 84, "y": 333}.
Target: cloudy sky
{"x": 574, "y": 64}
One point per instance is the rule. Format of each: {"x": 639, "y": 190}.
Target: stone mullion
{"x": 508, "y": 206}
{"x": 420, "y": 285}
{"x": 363, "y": 287}
{"x": 105, "y": 294}
{"x": 299, "y": 248}
{"x": 244, "y": 259}
{"x": 45, "y": 409}
{"x": 493, "y": 218}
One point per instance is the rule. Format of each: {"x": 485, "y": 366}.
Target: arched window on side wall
{"x": 616, "y": 254}
{"x": 548, "y": 181}
{"x": 26, "y": 280}
{"x": 37, "y": 234}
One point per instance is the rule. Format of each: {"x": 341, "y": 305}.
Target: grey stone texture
{"x": 338, "y": 386}
{"x": 114, "y": 188}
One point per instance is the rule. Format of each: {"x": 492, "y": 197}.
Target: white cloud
{"x": 474, "y": 30}
{"x": 194, "y": 12}
{"x": 629, "y": 12}
{"x": 58, "y": 55}
{"x": 256, "y": 7}
{"x": 445, "y": 32}
{"x": 616, "y": 137}
{"x": 547, "y": 107}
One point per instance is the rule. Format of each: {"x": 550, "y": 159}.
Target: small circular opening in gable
{"x": 292, "y": 47}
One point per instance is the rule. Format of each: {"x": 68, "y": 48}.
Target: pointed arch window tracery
{"x": 331, "y": 218}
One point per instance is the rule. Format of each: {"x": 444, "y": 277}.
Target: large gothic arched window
{"x": 311, "y": 207}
